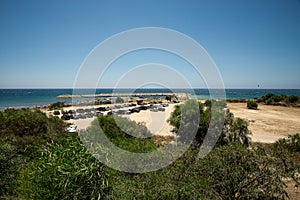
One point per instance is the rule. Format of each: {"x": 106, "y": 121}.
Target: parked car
{"x": 72, "y": 128}
{"x": 65, "y": 117}
{"x": 133, "y": 110}
{"x": 101, "y": 109}
{"x": 153, "y": 109}
{"x": 56, "y": 112}
{"x": 161, "y": 109}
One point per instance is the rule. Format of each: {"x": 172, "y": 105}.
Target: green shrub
{"x": 63, "y": 170}
{"x": 251, "y": 104}
{"x": 10, "y": 162}
{"x": 235, "y": 172}
{"x": 124, "y": 133}
{"x": 233, "y": 130}
{"x": 293, "y": 99}
{"x": 56, "y": 105}
{"x": 28, "y": 126}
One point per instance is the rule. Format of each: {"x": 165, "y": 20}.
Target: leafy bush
{"x": 251, "y": 104}
{"x": 228, "y": 172}
{"x": 273, "y": 99}
{"x": 28, "y": 126}
{"x": 57, "y": 105}
{"x": 233, "y": 130}
{"x": 9, "y": 163}
{"x": 292, "y": 143}
{"x": 235, "y": 172}
{"x": 293, "y": 99}
{"x": 124, "y": 133}
{"x": 63, "y": 170}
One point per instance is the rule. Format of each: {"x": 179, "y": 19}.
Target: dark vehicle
{"x": 64, "y": 112}
{"x": 133, "y": 110}
{"x": 97, "y": 113}
{"x": 89, "y": 115}
{"x": 73, "y": 116}
{"x": 121, "y": 112}
{"x": 143, "y": 107}
{"x": 161, "y": 109}
{"x": 101, "y": 109}
{"x": 56, "y": 112}
{"x": 82, "y": 116}
{"x": 80, "y": 110}
{"x": 65, "y": 117}
{"x": 72, "y": 112}
{"x": 133, "y": 104}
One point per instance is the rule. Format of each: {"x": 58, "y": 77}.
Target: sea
{"x": 30, "y": 98}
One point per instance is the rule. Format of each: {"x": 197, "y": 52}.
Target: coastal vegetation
{"x": 57, "y": 105}
{"x": 252, "y": 104}
{"x": 39, "y": 160}
{"x": 273, "y": 99}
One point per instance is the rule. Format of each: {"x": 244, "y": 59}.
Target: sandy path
{"x": 268, "y": 123}
{"x": 156, "y": 122}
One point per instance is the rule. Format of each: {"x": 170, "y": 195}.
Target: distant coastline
{"x": 18, "y": 98}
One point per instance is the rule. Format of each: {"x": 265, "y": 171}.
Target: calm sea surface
{"x": 19, "y": 98}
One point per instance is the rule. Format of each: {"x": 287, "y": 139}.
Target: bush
{"x": 28, "y": 126}
{"x": 251, "y": 104}
{"x": 293, "y": 99}
{"x": 63, "y": 170}
{"x": 233, "y": 130}
{"x": 9, "y": 163}
{"x": 235, "y": 172}
{"x": 57, "y": 105}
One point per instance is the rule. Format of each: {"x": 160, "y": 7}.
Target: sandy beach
{"x": 268, "y": 123}
{"x": 156, "y": 122}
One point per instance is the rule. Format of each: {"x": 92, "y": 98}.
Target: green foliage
{"x": 291, "y": 144}
{"x": 273, "y": 99}
{"x": 251, "y": 104}
{"x": 168, "y": 98}
{"x": 228, "y": 172}
{"x": 293, "y": 99}
{"x": 28, "y": 126}
{"x": 124, "y": 133}
{"x": 21, "y": 132}
{"x": 56, "y": 105}
{"x": 235, "y": 172}
{"x": 9, "y": 163}
{"x": 63, "y": 170}
{"x": 233, "y": 130}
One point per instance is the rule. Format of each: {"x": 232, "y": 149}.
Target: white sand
{"x": 268, "y": 123}
{"x": 156, "y": 122}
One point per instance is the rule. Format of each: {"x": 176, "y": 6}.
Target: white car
{"x": 72, "y": 129}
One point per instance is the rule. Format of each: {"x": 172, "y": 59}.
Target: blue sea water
{"x": 19, "y": 98}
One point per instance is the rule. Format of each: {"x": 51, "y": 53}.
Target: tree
{"x": 233, "y": 130}
{"x": 168, "y": 98}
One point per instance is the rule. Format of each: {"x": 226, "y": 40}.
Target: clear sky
{"x": 43, "y": 43}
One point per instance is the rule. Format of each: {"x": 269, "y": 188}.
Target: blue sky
{"x": 43, "y": 43}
